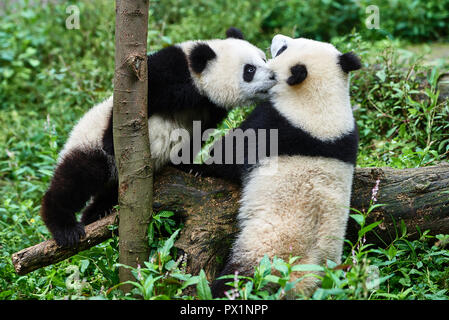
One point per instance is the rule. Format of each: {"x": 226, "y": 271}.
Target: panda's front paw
{"x": 69, "y": 236}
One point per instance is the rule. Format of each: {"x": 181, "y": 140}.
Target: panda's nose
{"x": 273, "y": 76}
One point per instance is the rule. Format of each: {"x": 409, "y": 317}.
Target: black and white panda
{"x": 190, "y": 81}
{"x": 295, "y": 200}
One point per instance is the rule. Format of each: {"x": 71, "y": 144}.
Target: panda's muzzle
{"x": 268, "y": 84}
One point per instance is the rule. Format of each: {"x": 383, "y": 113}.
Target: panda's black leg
{"x": 219, "y": 287}
{"x": 80, "y": 174}
{"x": 102, "y": 204}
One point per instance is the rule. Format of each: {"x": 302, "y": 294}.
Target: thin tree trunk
{"x": 208, "y": 206}
{"x": 130, "y": 130}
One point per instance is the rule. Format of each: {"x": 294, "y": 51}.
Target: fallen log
{"x": 48, "y": 252}
{"x": 419, "y": 197}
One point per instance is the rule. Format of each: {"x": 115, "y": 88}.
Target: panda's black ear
{"x": 234, "y": 33}
{"x": 349, "y": 62}
{"x": 299, "y": 74}
{"x": 200, "y": 56}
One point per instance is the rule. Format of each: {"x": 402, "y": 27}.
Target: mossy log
{"x": 208, "y": 207}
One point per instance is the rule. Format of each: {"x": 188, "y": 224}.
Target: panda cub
{"x": 295, "y": 201}
{"x": 190, "y": 81}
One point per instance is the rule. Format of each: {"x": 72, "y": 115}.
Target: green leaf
{"x": 374, "y": 206}
{"x": 391, "y": 252}
{"x": 148, "y": 286}
{"x": 290, "y": 285}
{"x": 248, "y": 289}
{"x": 381, "y": 75}
{"x": 5, "y": 294}
{"x": 264, "y": 267}
{"x": 165, "y": 214}
{"x": 170, "y": 265}
{"x": 403, "y": 228}
{"x": 327, "y": 282}
{"x": 293, "y": 259}
{"x": 84, "y": 264}
{"x": 307, "y": 267}
{"x": 330, "y": 264}
{"x": 165, "y": 251}
{"x": 202, "y": 287}
{"x": 7, "y": 73}
{"x": 272, "y": 278}
{"x": 281, "y": 266}
{"x": 34, "y": 62}
{"x": 359, "y": 218}
{"x": 189, "y": 282}
{"x": 390, "y": 132}
{"x": 150, "y": 233}
{"x": 369, "y": 227}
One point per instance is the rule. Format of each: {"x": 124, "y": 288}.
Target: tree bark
{"x": 209, "y": 207}
{"x": 418, "y": 196}
{"x": 130, "y": 131}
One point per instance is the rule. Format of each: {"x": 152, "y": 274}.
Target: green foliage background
{"x": 50, "y": 76}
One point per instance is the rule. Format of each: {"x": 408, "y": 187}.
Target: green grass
{"x": 50, "y": 76}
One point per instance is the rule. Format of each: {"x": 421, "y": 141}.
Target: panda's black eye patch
{"x": 248, "y": 72}
{"x": 299, "y": 74}
{"x": 284, "y": 47}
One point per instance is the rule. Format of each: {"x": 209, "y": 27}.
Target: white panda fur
{"x": 301, "y": 207}
{"x": 195, "y": 80}
{"x": 331, "y": 106}
{"x": 300, "y": 211}
{"x": 88, "y": 132}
